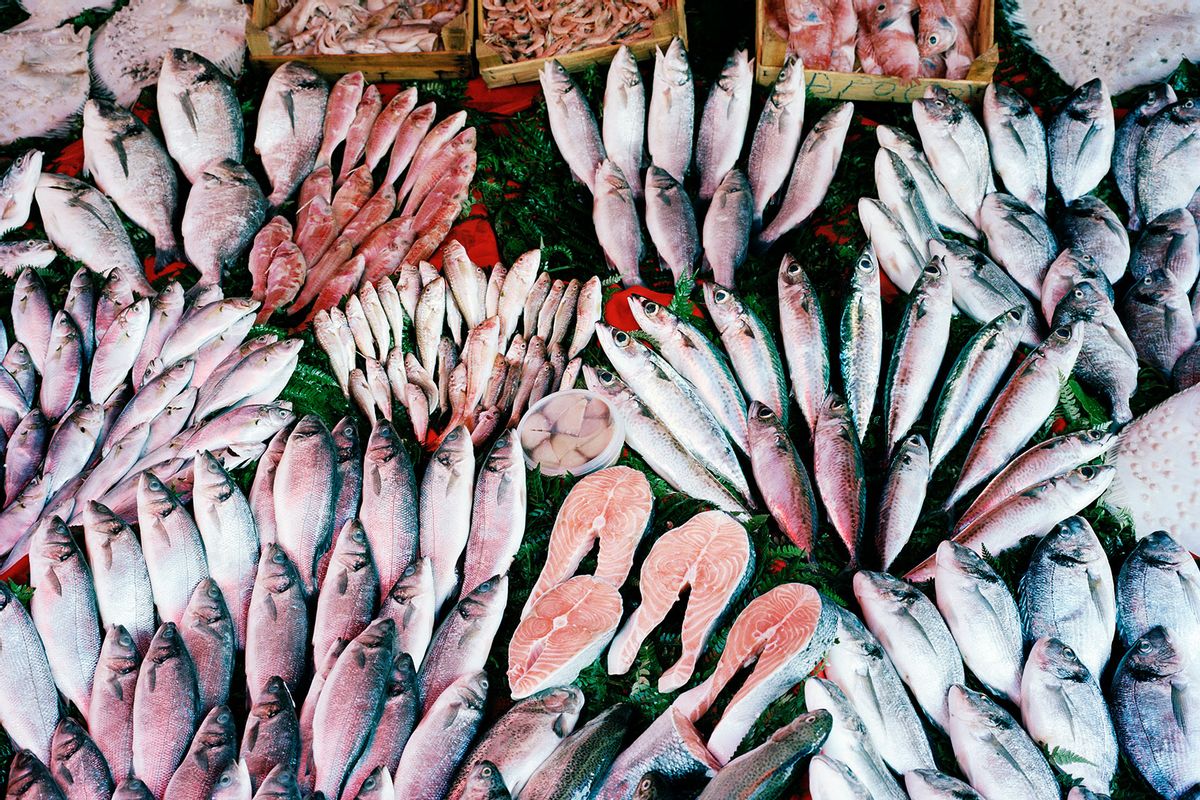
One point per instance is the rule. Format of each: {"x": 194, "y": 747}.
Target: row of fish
{"x": 108, "y": 385}
{"x": 338, "y": 27}
{"x": 546, "y": 28}
{"x": 609, "y": 160}
{"x": 484, "y": 346}
{"x": 347, "y": 240}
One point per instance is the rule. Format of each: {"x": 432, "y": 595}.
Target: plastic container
{"x": 555, "y": 436}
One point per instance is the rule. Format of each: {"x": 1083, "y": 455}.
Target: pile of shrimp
{"x": 905, "y": 38}
{"x": 525, "y": 29}
{"x": 330, "y": 27}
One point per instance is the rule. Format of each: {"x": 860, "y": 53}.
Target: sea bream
{"x": 1080, "y": 140}
{"x": 289, "y": 127}
{"x": 1159, "y": 584}
{"x": 1017, "y": 141}
{"x": 199, "y": 112}
{"x": 224, "y": 210}
{"x": 848, "y": 740}
{"x": 17, "y": 187}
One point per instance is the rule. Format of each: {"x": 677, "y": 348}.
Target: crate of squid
{"x": 879, "y": 50}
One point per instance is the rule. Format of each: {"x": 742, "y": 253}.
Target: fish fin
{"x": 122, "y": 156}
{"x": 189, "y": 109}
{"x": 290, "y": 104}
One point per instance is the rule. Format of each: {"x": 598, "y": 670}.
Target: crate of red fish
{"x": 881, "y": 50}
{"x": 518, "y": 37}
{"x": 401, "y": 40}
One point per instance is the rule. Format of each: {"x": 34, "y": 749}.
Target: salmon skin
{"x": 711, "y": 555}
{"x": 784, "y": 633}
{"x": 613, "y": 505}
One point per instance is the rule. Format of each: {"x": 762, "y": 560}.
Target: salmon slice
{"x": 784, "y": 633}
{"x": 567, "y": 628}
{"x": 711, "y": 554}
{"x": 612, "y": 505}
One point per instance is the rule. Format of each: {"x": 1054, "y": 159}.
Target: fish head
{"x": 276, "y": 570}
{"x": 809, "y": 730}
{"x": 1072, "y": 542}
{"x": 765, "y": 426}
{"x": 672, "y": 68}
{"x": 186, "y": 69}
{"x": 733, "y": 188}
{"x": 736, "y": 70}
{"x": 165, "y": 645}
{"x": 234, "y": 781}
{"x": 939, "y": 108}
{"x": 936, "y": 272}
{"x": 555, "y": 80}
{"x": 834, "y": 411}
{"x": 100, "y": 520}
{"x": 295, "y": 77}
{"x": 1013, "y": 319}
{"x": 455, "y": 449}
{"x": 653, "y": 318}
{"x": 621, "y": 348}
{"x": 207, "y": 605}
{"x": 1161, "y": 551}
{"x": 662, "y": 181}
{"x": 119, "y": 654}
{"x": 966, "y": 562}
{"x": 18, "y": 359}
{"x": 1090, "y": 102}
{"x": 470, "y": 691}
{"x": 978, "y": 711}
{"x": 51, "y": 541}
{"x": 788, "y": 83}
{"x": 1158, "y": 287}
{"x": 723, "y": 305}
{"x": 1084, "y": 301}
{"x": 28, "y": 776}
{"x": 561, "y": 700}
{"x": 226, "y": 173}
{"x": 1185, "y": 113}
{"x": 479, "y": 602}
{"x": 1006, "y": 102}
{"x": 29, "y": 285}
{"x": 650, "y": 786}
{"x": 217, "y": 731}
{"x": 1090, "y": 478}
{"x": 935, "y": 34}
{"x": 154, "y": 497}
{"x": 1053, "y": 657}
{"x": 403, "y": 679}
{"x": 379, "y": 635}
{"x": 274, "y": 700}
{"x": 603, "y": 382}
{"x": 353, "y": 551}
{"x": 7, "y": 598}
{"x": 1154, "y": 655}
{"x": 866, "y": 268}
{"x": 69, "y": 738}
{"x": 1175, "y": 222}
{"x": 110, "y": 118}
{"x": 880, "y": 589}
{"x": 897, "y": 140}
{"x": 378, "y": 785}
{"x": 624, "y": 68}
{"x": 485, "y": 782}
{"x": 611, "y": 180}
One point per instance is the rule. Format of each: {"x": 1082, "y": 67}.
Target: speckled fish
{"x": 305, "y": 491}
{"x": 860, "y": 353}
{"x": 461, "y": 644}
{"x": 672, "y": 111}
{"x": 615, "y": 217}
{"x": 164, "y": 710}
{"x": 1017, "y": 141}
{"x": 937, "y": 200}
{"x": 208, "y": 634}
{"x": 1159, "y": 584}
{"x": 32, "y": 317}
{"x": 289, "y": 128}
{"x": 1169, "y": 241}
{"x": 112, "y": 698}
{"x": 119, "y": 573}
{"x": 1159, "y": 319}
{"x": 1167, "y": 176}
{"x": 277, "y": 625}
{"x": 894, "y": 251}
{"x": 929, "y": 784}
{"x": 441, "y": 739}
{"x": 972, "y": 380}
{"x": 898, "y": 191}
{"x": 77, "y": 764}
{"x": 199, "y": 112}
{"x": 918, "y": 352}
{"x": 213, "y": 749}
{"x": 224, "y": 210}
{"x": 848, "y": 740}
{"x": 765, "y": 771}
{"x": 781, "y": 477}
{"x": 624, "y": 123}
{"x": 1090, "y": 228}
{"x": 727, "y": 222}
{"x": 982, "y": 615}
{"x": 1063, "y": 710}
{"x": 1154, "y": 710}
{"x": 723, "y": 122}
{"x": 1128, "y": 140}
{"x": 675, "y": 402}
{"x": 915, "y": 637}
{"x": 956, "y": 147}
{"x": 994, "y": 752}
{"x": 131, "y": 166}
{"x": 751, "y": 348}
{"x": 671, "y": 749}
{"x": 29, "y": 707}
{"x": 646, "y": 433}
{"x": 902, "y": 498}
{"x": 1028, "y": 397}
{"x": 1018, "y": 239}
{"x": 347, "y": 599}
{"x": 1107, "y": 361}
{"x": 671, "y": 223}
{"x": 82, "y": 223}
{"x": 572, "y": 123}
{"x": 777, "y": 136}
{"x": 578, "y": 764}
{"x": 860, "y": 667}
{"x": 1080, "y": 139}
{"x": 838, "y": 470}
{"x": 17, "y": 187}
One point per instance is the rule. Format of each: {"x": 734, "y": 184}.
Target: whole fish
{"x": 957, "y": 148}
{"x": 574, "y": 126}
{"x": 929, "y": 784}
{"x": 272, "y": 737}
{"x": 396, "y": 720}
{"x": 918, "y": 352}
{"x": 860, "y": 667}
{"x": 61, "y": 371}
{"x": 307, "y": 488}
{"x": 751, "y": 348}
{"x": 1128, "y": 140}
{"x": 1018, "y": 239}
{"x": 213, "y": 750}
{"x": 671, "y": 749}
{"x": 32, "y": 317}
{"x": 816, "y": 163}
{"x": 166, "y": 310}
{"x": 894, "y": 251}
{"x": 982, "y": 290}
{"x": 445, "y": 510}
{"x": 830, "y": 779}
{"x": 1159, "y": 318}
{"x": 624, "y": 122}
{"x": 1017, "y": 141}
{"x": 1168, "y": 241}
{"x": 224, "y": 210}
{"x": 886, "y": 43}
{"x": 671, "y": 223}
{"x": 1028, "y": 397}
{"x": 441, "y": 739}
{"x": 615, "y": 217}
{"x": 1063, "y": 709}
{"x": 1080, "y": 140}
{"x": 346, "y": 602}
{"x": 1108, "y": 359}
{"x": 1090, "y": 228}
{"x": 25, "y": 450}
{"x": 277, "y": 625}
{"x": 767, "y": 769}
{"x": 982, "y": 614}
{"x": 462, "y": 641}
{"x": 365, "y": 114}
{"x": 781, "y": 477}
{"x": 165, "y": 710}
{"x": 723, "y": 122}
{"x": 389, "y": 512}
{"x": 117, "y": 351}
{"x": 28, "y": 777}
{"x": 903, "y": 497}
{"x": 29, "y": 707}
{"x": 1069, "y": 269}
{"x": 344, "y": 98}
{"x": 82, "y": 223}
{"x": 131, "y": 166}
{"x": 1159, "y": 584}
{"x": 306, "y": 772}
{"x": 579, "y": 762}
{"x": 860, "y": 353}
{"x": 199, "y": 112}
{"x": 208, "y": 635}
{"x": 838, "y": 470}
{"x": 1154, "y": 711}
{"x": 77, "y": 764}
{"x": 916, "y": 638}
{"x": 31, "y": 253}
{"x": 289, "y": 130}
{"x": 938, "y": 202}
{"x": 1166, "y": 162}
{"x": 727, "y": 222}
{"x": 672, "y": 111}
{"x": 111, "y": 711}
{"x": 1068, "y": 593}
{"x": 972, "y": 380}
{"x": 17, "y": 187}
{"x": 777, "y": 136}
{"x": 173, "y": 547}
{"x": 993, "y": 751}
{"x": 898, "y": 191}
{"x": 848, "y": 740}
{"x": 119, "y": 573}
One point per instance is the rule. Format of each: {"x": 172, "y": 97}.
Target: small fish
{"x": 751, "y": 348}
{"x": 723, "y": 122}
{"x": 1017, "y": 141}
{"x": 164, "y": 710}
{"x": 860, "y": 353}
{"x": 111, "y": 712}
{"x": 902, "y": 498}
{"x": 937, "y": 200}
{"x": 574, "y": 126}
{"x": 982, "y": 290}
{"x": 776, "y": 137}
{"x": 277, "y": 624}
{"x": 615, "y": 217}
{"x": 671, "y": 223}
{"x": 289, "y": 129}
{"x": 28, "y": 777}
{"x": 272, "y": 737}
{"x": 894, "y": 252}
{"x": 365, "y": 114}
{"x": 1128, "y": 140}
{"x": 386, "y": 126}
{"x": 848, "y": 741}
{"x": 781, "y": 477}
{"x": 898, "y": 191}
{"x": 1159, "y": 319}
{"x": 1080, "y": 140}
{"x": 1018, "y": 239}
{"x": 838, "y": 470}
{"x": 994, "y": 752}
{"x": 727, "y": 223}
{"x": 199, "y": 112}
{"x": 957, "y": 148}
{"x": 672, "y": 111}
{"x": 756, "y": 773}
{"x": 1108, "y": 359}
{"x": 670, "y": 749}
{"x": 624, "y": 119}
{"x": 1166, "y": 162}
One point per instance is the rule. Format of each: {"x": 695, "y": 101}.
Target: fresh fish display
{"x": 624, "y": 124}
{"x": 1166, "y": 174}
{"x": 574, "y": 126}
{"x": 997, "y": 756}
{"x": 530, "y": 30}
{"x": 848, "y": 741}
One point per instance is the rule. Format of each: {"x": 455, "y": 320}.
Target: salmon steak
{"x": 612, "y": 505}
{"x": 564, "y": 631}
{"x": 784, "y": 634}
{"x": 711, "y": 555}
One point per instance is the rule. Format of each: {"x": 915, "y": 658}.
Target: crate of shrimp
{"x": 881, "y": 50}
{"x": 386, "y": 41}
{"x": 518, "y": 37}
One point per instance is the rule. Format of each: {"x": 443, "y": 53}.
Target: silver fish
{"x": 289, "y": 129}
{"x": 164, "y": 710}
{"x": 781, "y": 478}
{"x": 671, "y": 223}
{"x": 82, "y": 223}
{"x": 572, "y": 123}
{"x": 224, "y": 209}
{"x": 389, "y": 512}
{"x": 1128, "y": 139}
{"x": 929, "y": 784}
{"x": 671, "y": 748}
{"x": 277, "y": 627}
{"x": 24, "y": 452}
{"x": 122, "y": 580}
{"x": 982, "y": 290}
{"x": 497, "y": 514}
{"x": 441, "y": 739}
{"x": 860, "y": 353}
{"x": 112, "y": 699}
{"x": 212, "y": 751}
{"x": 1108, "y": 359}
{"x": 578, "y": 763}
{"x": 208, "y": 634}
{"x": 805, "y": 341}
{"x": 29, "y": 777}
{"x": 1089, "y": 227}
{"x": 32, "y": 317}
{"x": 777, "y": 136}
{"x": 118, "y": 350}
{"x": 751, "y": 348}
{"x": 1017, "y": 142}
{"x": 1080, "y": 140}
{"x": 727, "y": 222}
{"x": 1159, "y": 318}
{"x": 347, "y": 599}
{"x": 830, "y": 779}
{"x": 173, "y": 547}
{"x": 723, "y": 122}
{"x": 306, "y": 772}
{"x": 306, "y": 488}
{"x": 396, "y": 721}
{"x": 672, "y": 110}
{"x": 956, "y": 147}
{"x": 849, "y": 741}
{"x": 28, "y": 707}
{"x": 445, "y": 510}
{"x": 1159, "y": 584}
{"x": 995, "y": 754}
{"x": 894, "y": 251}
{"x": 272, "y": 737}
{"x": 1167, "y": 176}
{"x": 902, "y": 498}
{"x": 1169, "y": 241}
{"x": 1018, "y": 239}
{"x": 937, "y": 200}
{"x": 461, "y": 643}
{"x": 61, "y": 370}
{"x": 838, "y": 470}
{"x": 616, "y": 221}
{"x": 624, "y": 123}
{"x": 899, "y": 192}
{"x": 27, "y": 254}
{"x": 17, "y": 187}
{"x": 199, "y": 112}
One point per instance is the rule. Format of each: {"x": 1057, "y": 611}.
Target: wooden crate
{"x": 771, "y": 51}
{"x": 452, "y": 61}
{"x": 495, "y": 72}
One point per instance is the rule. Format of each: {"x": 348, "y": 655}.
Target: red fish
{"x": 887, "y": 41}
{"x": 356, "y": 138}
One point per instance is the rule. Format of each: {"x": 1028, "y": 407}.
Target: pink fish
{"x": 427, "y": 242}
{"x": 321, "y": 272}
{"x": 408, "y": 139}
{"x": 447, "y": 157}
{"x": 319, "y": 183}
{"x": 360, "y": 129}
{"x": 809, "y": 30}
{"x": 315, "y": 229}
{"x": 387, "y": 125}
{"x": 343, "y": 281}
{"x": 887, "y": 41}
{"x": 339, "y": 114}
{"x": 273, "y": 234}
{"x": 351, "y": 196}
{"x": 845, "y": 33}
{"x": 374, "y": 213}
{"x": 384, "y": 260}
{"x": 452, "y": 188}
{"x": 285, "y": 275}
{"x": 438, "y": 135}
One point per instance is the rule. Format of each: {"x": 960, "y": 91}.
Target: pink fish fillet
{"x": 438, "y": 135}
{"x": 613, "y": 506}
{"x": 387, "y": 125}
{"x": 784, "y": 634}
{"x": 887, "y": 41}
{"x": 339, "y": 114}
{"x": 374, "y": 213}
{"x": 408, "y": 139}
{"x": 315, "y": 229}
{"x": 351, "y": 196}
{"x": 285, "y": 276}
{"x": 845, "y": 33}
{"x": 710, "y": 554}
{"x": 342, "y": 283}
{"x": 269, "y": 237}
{"x": 431, "y": 171}
{"x": 356, "y": 138}
{"x": 564, "y": 631}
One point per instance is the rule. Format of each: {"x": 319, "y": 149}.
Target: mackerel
{"x": 751, "y": 348}
{"x": 903, "y": 497}
{"x": 805, "y": 341}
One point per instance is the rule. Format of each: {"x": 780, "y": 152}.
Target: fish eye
{"x": 486, "y": 771}
{"x": 452, "y": 435}
{"x": 1015, "y": 314}
{"x": 1063, "y": 333}
{"x": 721, "y": 295}
{"x": 931, "y": 268}
{"x": 1088, "y": 472}
{"x": 1095, "y": 435}
{"x": 1143, "y": 646}
{"x": 765, "y": 413}
{"x": 621, "y": 338}
{"x": 651, "y": 307}
{"x": 645, "y": 784}
{"x": 1078, "y": 292}
{"x": 793, "y": 268}
{"x": 933, "y": 39}
{"x": 881, "y": 7}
